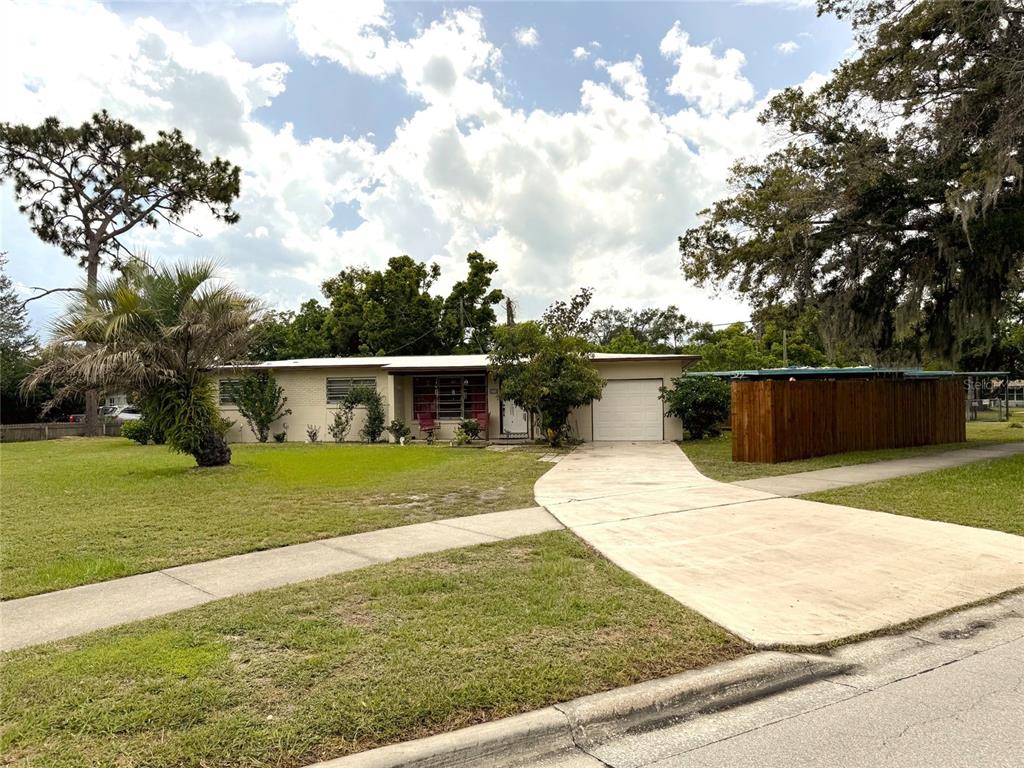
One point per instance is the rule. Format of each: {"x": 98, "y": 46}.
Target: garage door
{"x": 629, "y": 410}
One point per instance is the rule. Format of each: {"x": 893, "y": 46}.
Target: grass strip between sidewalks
{"x": 329, "y": 667}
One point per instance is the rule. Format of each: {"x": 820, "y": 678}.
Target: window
{"x": 338, "y": 389}
{"x": 450, "y": 397}
{"x": 227, "y": 389}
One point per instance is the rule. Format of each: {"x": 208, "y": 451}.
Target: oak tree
{"x": 897, "y": 202}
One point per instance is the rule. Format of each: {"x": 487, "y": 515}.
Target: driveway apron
{"x": 773, "y": 570}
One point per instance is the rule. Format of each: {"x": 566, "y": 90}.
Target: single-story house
{"x": 440, "y": 390}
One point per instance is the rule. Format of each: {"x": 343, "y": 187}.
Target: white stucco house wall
{"x": 441, "y": 390}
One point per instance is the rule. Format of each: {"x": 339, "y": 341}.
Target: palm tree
{"x": 156, "y": 332}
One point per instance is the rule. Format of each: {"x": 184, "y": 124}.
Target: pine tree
{"x": 16, "y": 338}
{"x": 17, "y": 349}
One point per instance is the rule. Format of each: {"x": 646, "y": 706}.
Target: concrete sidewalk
{"x": 56, "y": 615}
{"x": 773, "y": 570}
{"x": 800, "y": 483}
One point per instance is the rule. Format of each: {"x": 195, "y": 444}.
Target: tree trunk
{"x": 213, "y": 451}
{"x": 92, "y": 396}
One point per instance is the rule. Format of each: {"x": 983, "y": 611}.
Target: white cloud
{"x": 579, "y": 52}
{"x": 527, "y": 37}
{"x": 629, "y": 76}
{"x": 788, "y": 47}
{"x": 356, "y": 35}
{"x": 592, "y": 195}
{"x": 446, "y": 63}
{"x": 713, "y": 83}
{"x": 784, "y": 3}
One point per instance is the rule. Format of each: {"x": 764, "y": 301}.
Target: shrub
{"x": 398, "y": 429}
{"x": 340, "y": 426}
{"x": 136, "y": 430}
{"x": 279, "y": 437}
{"x": 312, "y": 432}
{"x": 700, "y": 402}
{"x": 470, "y": 427}
{"x": 373, "y": 427}
{"x": 189, "y": 417}
{"x": 261, "y": 401}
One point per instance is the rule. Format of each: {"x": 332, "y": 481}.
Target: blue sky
{"x": 571, "y": 142}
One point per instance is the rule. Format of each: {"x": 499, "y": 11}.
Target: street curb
{"x": 591, "y": 720}
{"x": 601, "y": 717}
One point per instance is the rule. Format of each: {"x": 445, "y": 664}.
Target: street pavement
{"x": 923, "y": 700}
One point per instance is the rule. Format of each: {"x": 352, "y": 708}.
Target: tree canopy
{"x": 897, "y": 203}
{"x": 545, "y": 371}
{"x": 84, "y": 188}
{"x": 640, "y": 330}
{"x": 389, "y": 311}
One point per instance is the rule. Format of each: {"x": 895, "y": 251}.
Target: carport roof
{"x": 863, "y": 371}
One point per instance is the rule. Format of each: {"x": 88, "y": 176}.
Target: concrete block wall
{"x": 306, "y": 390}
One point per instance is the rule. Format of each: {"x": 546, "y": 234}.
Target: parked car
{"x": 111, "y": 412}
{"x": 126, "y": 413}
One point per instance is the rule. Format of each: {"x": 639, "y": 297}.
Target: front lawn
{"x": 391, "y": 652}
{"x": 81, "y": 510}
{"x": 987, "y": 494}
{"x": 713, "y": 456}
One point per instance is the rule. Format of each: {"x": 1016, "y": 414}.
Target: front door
{"x": 513, "y": 420}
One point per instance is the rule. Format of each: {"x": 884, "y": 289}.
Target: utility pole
{"x": 785, "y": 351}
{"x": 510, "y": 312}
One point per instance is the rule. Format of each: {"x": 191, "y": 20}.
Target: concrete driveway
{"x": 773, "y": 570}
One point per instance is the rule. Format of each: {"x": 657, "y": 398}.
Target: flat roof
{"x": 436, "y": 362}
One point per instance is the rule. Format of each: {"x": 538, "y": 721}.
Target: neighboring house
{"x": 442, "y": 390}
{"x": 1015, "y": 393}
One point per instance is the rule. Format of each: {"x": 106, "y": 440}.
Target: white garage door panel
{"x": 629, "y": 410}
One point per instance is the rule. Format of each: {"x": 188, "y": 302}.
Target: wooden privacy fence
{"x": 775, "y": 420}
{"x": 19, "y": 433}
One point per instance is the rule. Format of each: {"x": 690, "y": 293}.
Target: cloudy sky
{"x": 569, "y": 142}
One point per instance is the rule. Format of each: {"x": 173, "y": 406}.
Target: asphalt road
{"x": 968, "y": 712}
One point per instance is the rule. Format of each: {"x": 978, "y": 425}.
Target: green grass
{"x": 77, "y": 510}
{"x": 713, "y": 456}
{"x": 987, "y": 494}
{"x": 308, "y": 672}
